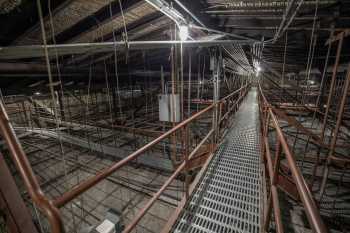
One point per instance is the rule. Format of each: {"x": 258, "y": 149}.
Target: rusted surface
{"x": 331, "y": 88}
{"x": 17, "y": 215}
{"x": 292, "y": 121}
{"x": 273, "y": 203}
{"x": 286, "y": 184}
{"x": 23, "y": 166}
{"x": 50, "y": 208}
{"x": 306, "y": 197}
{"x": 199, "y": 159}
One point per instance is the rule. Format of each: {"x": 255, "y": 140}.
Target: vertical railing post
{"x": 266, "y": 121}
{"x": 219, "y": 117}
{"x": 268, "y": 213}
{"x": 187, "y": 177}
{"x": 26, "y": 172}
{"x": 25, "y": 114}
{"x": 276, "y": 162}
{"x": 273, "y": 201}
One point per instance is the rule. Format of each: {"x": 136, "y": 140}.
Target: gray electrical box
{"x": 105, "y": 227}
{"x": 169, "y": 107}
{"x": 111, "y": 224}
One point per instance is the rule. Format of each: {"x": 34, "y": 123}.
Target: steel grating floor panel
{"x": 228, "y": 196}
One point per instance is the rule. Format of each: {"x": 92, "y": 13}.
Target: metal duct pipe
{"x": 17, "y": 52}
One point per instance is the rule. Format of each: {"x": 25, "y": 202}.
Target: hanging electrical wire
{"x": 284, "y": 58}
{"x": 125, "y": 35}
{"x": 189, "y": 84}
{"x": 116, "y": 59}
{"x": 51, "y": 87}
{"x": 313, "y": 41}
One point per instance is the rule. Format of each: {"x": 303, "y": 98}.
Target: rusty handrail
{"x": 50, "y": 207}
{"x": 165, "y": 185}
{"x": 182, "y": 166}
{"x": 176, "y": 213}
{"x": 312, "y": 212}
{"x": 88, "y": 183}
{"x": 25, "y": 170}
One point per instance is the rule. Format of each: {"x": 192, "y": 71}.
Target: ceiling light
{"x": 183, "y": 32}
{"x": 37, "y": 93}
{"x": 258, "y": 68}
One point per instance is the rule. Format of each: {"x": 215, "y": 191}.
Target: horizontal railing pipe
{"x": 274, "y": 192}
{"x": 165, "y": 185}
{"x": 25, "y": 170}
{"x": 50, "y": 207}
{"x": 88, "y": 183}
{"x": 312, "y": 212}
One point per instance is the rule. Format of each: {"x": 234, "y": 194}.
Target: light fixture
{"x": 37, "y": 93}
{"x": 183, "y": 32}
{"x": 258, "y": 68}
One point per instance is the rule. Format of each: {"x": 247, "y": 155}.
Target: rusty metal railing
{"x": 224, "y": 108}
{"x": 268, "y": 119}
{"x": 25, "y": 170}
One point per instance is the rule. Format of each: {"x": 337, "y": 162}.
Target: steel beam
{"x": 34, "y": 51}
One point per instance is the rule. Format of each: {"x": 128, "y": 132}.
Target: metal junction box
{"x": 169, "y": 107}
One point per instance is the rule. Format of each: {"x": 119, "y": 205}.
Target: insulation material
{"x": 63, "y": 18}
{"x": 133, "y": 14}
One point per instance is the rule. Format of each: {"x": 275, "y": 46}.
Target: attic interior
{"x": 174, "y": 116}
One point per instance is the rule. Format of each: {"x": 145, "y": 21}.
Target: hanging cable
{"x": 189, "y": 84}
{"x": 313, "y": 41}
{"x": 51, "y": 87}
{"x": 182, "y": 80}
{"x": 284, "y": 58}
{"x": 116, "y": 64}
{"x": 125, "y": 35}
{"x": 198, "y": 79}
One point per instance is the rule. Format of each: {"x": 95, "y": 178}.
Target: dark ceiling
{"x": 81, "y": 21}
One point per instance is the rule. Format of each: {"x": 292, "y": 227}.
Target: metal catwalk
{"x": 228, "y": 196}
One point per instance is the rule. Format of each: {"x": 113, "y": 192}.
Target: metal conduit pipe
{"x": 189, "y": 12}
{"x": 264, "y": 4}
{"x": 31, "y": 51}
{"x": 174, "y": 15}
{"x": 224, "y": 33}
{"x": 238, "y": 57}
{"x": 286, "y": 13}
{"x": 292, "y": 17}
{"x": 168, "y": 10}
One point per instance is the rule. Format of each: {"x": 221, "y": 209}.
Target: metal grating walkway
{"x": 228, "y": 196}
